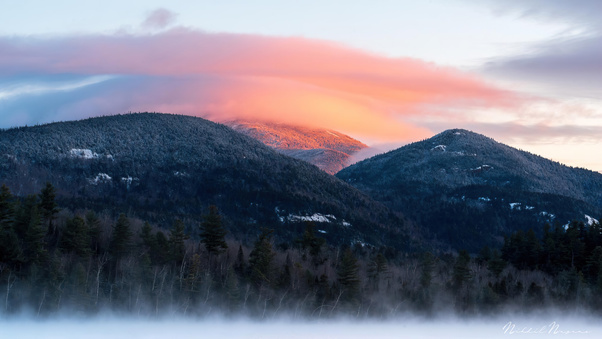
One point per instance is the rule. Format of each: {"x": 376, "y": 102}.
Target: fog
{"x": 114, "y": 327}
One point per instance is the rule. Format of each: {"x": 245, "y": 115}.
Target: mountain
{"x": 327, "y": 149}
{"x": 470, "y": 190}
{"x": 159, "y": 167}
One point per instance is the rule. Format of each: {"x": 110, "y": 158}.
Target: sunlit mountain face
{"x": 329, "y": 150}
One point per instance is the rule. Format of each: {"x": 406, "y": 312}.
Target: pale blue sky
{"x": 449, "y": 32}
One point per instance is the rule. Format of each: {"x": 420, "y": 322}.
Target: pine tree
{"x": 378, "y": 267}
{"x": 496, "y": 264}
{"x": 10, "y": 251}
{"x": 7, "y": 211}
{"x": 260, "y": 259}
{"x": 213, "y": 232}
{"x": 160, "y": 253}
{"x": 119, "y": 245}
{"x": 76, "y": 237}
{"x": 94, "y": 231}
{"x": 35, "y": 244}
{"x": 311, "y": 242}
{"x": 427, "y": 264}
{"x": 177, "y": 236}
{"x": 49, "y": 206}
{"x": 240, "y": 266}
{"x": 461, "y": 273}
{"x": 348, "y": 275}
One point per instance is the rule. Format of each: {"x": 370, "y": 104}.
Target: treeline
{"x": 54, "y": 260}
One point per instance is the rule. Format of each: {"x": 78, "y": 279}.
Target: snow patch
{"x": 590, "y": 221}
{"x": 439, "y": 148}
{"x": 546, "y": 214}
{"x": 482, "y": 168}
{"x": 100, "y": 178}
{"x": 83, "y": 153}
{"x": 484, "y": 199}
{"x": 329, "y": 132}
{"x": 457, "y": 133}
{"x": 128, "y": 181}
{"x": 316, "y": 217}
{"x": 181, "y": 174}
{"x": 515, "y": 206}
{"x": 322, "y": 231}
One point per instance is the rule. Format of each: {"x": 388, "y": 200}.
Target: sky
{"x": 527, "y": 73}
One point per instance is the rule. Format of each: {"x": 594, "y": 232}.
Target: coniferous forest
{"x": 56, "y": 260}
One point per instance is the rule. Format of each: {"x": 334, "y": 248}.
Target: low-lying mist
{"x": 115, "y": 327}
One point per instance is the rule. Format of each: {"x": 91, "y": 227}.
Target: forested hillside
{"x": 159, "y": 166}
{"x": 470, "y": 190}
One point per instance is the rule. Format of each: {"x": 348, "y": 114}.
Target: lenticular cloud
{"x": 225, "y": 76}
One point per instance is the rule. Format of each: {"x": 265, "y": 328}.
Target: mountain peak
{"x": 329, "y": 150}
{"x": 458, "y": 171}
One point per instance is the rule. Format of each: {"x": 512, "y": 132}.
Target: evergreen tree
{"x": 49, "y": 206}
{"x": 460, "y": 277}
{"x": 6, "y": 207}
{"x": 240, "y": 266}
{"x": 119, "y": 245}
{"x": 213, "y": 232}
{"x": 10, "y": 251}
{"x": 496, "y": 264}
{"x": 348, "y": 275}
{"x": 461, "y": 272}
{"x": 311, "y": 242}
{"x": 76, "y": 237}
{"x": 378, "y": 267}
{"x": 427, "y": 264}
{"x": 260, "y": 259}
{"x": 177, "y": 236}
{"x": 232, "y": 289}
{"x": 94, "y": 231}
{"x": 160, "y": 253}
{"x": 35, "y": 244}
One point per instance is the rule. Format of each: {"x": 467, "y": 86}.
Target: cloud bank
{"x": 227, "y": 76}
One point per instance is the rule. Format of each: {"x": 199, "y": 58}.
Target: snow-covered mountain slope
{"x": 327, "y": 149}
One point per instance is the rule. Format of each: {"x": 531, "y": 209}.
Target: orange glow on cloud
{"x": 293, "y": 80}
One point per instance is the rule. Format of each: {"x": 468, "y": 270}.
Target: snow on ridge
{"x": 439, "y": 148}
{"x": 329, "y": 132}
{"x": 590, "y": 220}
{"x": 83, "y": 153}
{"x": 482, "y": 168}
{"x": 100, "y": 178}
{"x": 316, "y": 217}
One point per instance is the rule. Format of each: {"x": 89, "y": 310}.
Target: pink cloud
{"x": 226, "y": 76}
